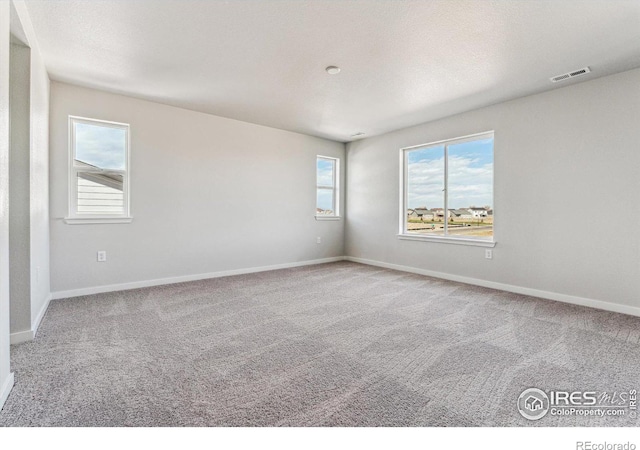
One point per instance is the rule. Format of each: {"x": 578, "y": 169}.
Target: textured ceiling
{"x": 403, "y": 62}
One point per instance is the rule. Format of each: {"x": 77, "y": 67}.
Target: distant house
{"x": 100, "y": 193}
{"x": 438, "y": 213}
{"x": 478, "y": 212}
{"x": 463, "y": 214}
{"x": 323, "y": 212}
{"x": 420, "y": 213}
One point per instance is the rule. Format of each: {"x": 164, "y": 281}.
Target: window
{"x": 327, "y": 187}
{"x": 448, "y": 191}
{"x": 98, "y": 172}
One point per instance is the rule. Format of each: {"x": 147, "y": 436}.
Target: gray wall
{"x": 567, "y": 192}
{"x": 38, "y": 181}
{"x": 208, "y": 194}
{"x": 29, "y": 179}
{"x": 19, "y": 189}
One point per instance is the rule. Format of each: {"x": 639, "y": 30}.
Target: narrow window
{"x": 327, "y": 187}
{"x": 448, "y": 189}
{"x": 99, "y": 172}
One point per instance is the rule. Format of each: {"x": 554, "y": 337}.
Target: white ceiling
{"x": 403, "y": 62}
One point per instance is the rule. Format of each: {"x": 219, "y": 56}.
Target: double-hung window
{"x": 98, "y": 172}
{"x": 327, "y": 196}
{"x": 447, "y": 191}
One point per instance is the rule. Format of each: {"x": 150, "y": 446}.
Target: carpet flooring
{"x": 339, "y": 344}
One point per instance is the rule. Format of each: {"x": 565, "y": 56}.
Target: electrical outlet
{"x": 318, "y": 240}
{"x": 102, "y": 256}
{"x": 488, "y": 254}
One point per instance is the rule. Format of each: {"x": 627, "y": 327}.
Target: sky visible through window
{"x": 100, "y": 146}
{"x": 470, "y": 171}
{"x": 325, "y": 170}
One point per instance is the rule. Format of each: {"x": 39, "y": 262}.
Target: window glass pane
{"x": 324, "y": 203}
{"x": 326, "y": 185}
{"x": 100, "y": 146}
{"x": 326, "y": 169}
{"x": 100, "y": 194}
{"x": 470, "y": 188}
{"x": 425, "y": 196}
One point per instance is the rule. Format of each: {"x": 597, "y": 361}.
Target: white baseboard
{"x": 29, "y": 335}
{"x": 22, "y": 336}
{"x": 181, "y": 279}
{"x": 574, "y": 300}
{"x": 6, "y": 389}
{"x": 36, "y": 323}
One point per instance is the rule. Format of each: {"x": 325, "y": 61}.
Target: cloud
{"x": 100, "y": 146}
{"x": 470, "y": 181}
{"x": 325, "y": 172}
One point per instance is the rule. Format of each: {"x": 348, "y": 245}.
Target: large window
{"x": 99, "y": 170}
{"x": 448, "y": 190}
{"x": 327, "y": 175}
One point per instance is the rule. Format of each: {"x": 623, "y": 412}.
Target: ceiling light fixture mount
{"x": 358, "y": 134}
{"x": 332, "y": 70}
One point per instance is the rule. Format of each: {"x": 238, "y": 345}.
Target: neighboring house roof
{"x": 113, "y": 181}
{"x": 422, "y": 211}
{"x": 459, "y": 212}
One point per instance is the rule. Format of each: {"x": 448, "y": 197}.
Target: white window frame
{"x": 335, "y": 188}
{"x": 74, "y": 217}
{"x": 403, "y": 233}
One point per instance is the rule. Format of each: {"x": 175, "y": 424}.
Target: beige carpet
{"x": 338, "y": 344}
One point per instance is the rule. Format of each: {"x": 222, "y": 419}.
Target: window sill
{"x": 96, "y": 220}
{"x": 448, "y": 240}
{"x": 328, "y": 218}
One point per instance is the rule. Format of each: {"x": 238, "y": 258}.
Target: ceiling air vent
{"x": 566, "y": 76}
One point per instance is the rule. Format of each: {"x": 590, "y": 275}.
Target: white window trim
{"x": 321, "y": 218}
{"x": 335, "y": 189}
{"x": 73, "y": 217}
{"x": 448, "y": 240}
{"x": 405, "y": 235}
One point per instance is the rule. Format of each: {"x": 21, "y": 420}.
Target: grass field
{"x": 457, "y": 227}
